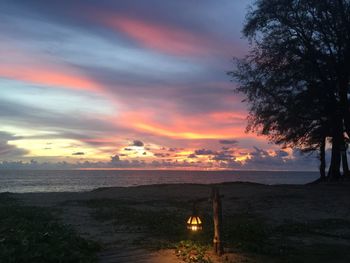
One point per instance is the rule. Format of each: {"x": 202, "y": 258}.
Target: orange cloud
{"x": 159, "y": 37}
{"x": 179, "y": 126}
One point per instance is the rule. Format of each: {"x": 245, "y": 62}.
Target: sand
{"x": 276, "y": 204}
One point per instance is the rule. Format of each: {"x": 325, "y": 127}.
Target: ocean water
{"x": 84, "y": 180}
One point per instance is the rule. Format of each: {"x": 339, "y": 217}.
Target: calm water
{"x": 62, "y": 181}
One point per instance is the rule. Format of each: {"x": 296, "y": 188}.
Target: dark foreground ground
{"x": 147, "y": 224}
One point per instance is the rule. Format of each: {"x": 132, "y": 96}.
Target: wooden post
{"x": 217, "y": 216}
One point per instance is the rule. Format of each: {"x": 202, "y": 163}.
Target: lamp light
{"x": 194, "y": 223}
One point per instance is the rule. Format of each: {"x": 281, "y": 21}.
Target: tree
{"x": 296, "y": 76}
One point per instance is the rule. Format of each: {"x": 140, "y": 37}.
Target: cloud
{"x": 69, "y": 125}
{"x": 78, "y": 153}
{"x": 137, "y": 143}
{"x": 172, "y": 149}
{"x": 7, "y": 150}
{"x": 114, "y": 50}
{"x": 161, "y": 155}
{"x": 228, "y": 141}
{"x": 222, "y": 156}
{"x": 258, "y": 159}
{"x": 161, "y": 37}
{"x": 47, "y": 77}
{"x": 281, "y": 153}
{"x": 280, "y": 160}
{"x": 204, "y": 152}
{"x": 115, "y": 159}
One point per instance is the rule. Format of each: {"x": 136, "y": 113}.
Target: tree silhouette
{"x": 296, "y": 76}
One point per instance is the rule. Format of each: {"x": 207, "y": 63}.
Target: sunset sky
{"x": 127, "y": 84}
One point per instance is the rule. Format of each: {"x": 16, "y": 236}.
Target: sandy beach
{"x": 301, "y": 220}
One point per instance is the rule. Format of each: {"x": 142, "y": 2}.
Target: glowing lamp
{"x": 194, "y": 223}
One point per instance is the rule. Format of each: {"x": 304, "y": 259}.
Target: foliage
{"x": 191, "y": 252}
{"x": 296, "y": 78}
{"x": 288, "y": 103}
{"x": 32, "y": 234}
{"x": 245, "y": 233}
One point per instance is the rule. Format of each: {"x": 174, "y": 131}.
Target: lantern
{"x": 194, "y": 223}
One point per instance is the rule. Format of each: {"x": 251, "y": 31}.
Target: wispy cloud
{"x": 124, "y": 84}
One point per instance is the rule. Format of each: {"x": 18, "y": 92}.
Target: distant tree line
{"x": 296, "y": 76}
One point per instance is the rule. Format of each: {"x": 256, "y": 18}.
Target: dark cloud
{"x": 281, "y": 153}
{"x": 161, "y": 155}
{"x": 137, "y": 143}
{"x": 8, "y": 150}
{"x": 222, "y": 156}
{"x": 115, "y": 159}
{"x": 69, "y": 125}
{"x": 172, "y": 149}
{"x": 204, "y": 152}
{"x": 228, "y": 141}
{"x": 78, "y": 153}
{"x": 280, "y": 160}
{"x": 192, "y": 94}
{"x": 259, "y": 159}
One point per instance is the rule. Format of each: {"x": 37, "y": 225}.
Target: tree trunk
{"x": 334, "y": 169}
{"x": 323, "y": 160}
{"x": 344, "y": 102}
{"x": 345, "y": 108}
{"x": 217, "y": 216}
{"x": 345, "y": 163}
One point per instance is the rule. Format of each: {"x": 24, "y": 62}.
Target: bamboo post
{"x": 217, "y": 216}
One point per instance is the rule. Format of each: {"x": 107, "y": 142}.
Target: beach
{"x": 280, "y": 223}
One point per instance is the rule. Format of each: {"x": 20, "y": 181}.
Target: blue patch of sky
{"x": 55, "y": 100}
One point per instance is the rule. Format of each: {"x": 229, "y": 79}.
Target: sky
{"x": 127, "y": 84}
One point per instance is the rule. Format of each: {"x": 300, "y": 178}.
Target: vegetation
{"x": 246, "y": 234}
{"x": 190, "y": 251}
{"x": 297, "y": 75}
{"x": 32, "y": 234}
{"x": 163, "y": 227}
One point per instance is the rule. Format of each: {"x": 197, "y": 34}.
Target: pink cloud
{"x": 49, "y": 77}
{"x": 167, "y": 39}
{"x": 41, "y": 70}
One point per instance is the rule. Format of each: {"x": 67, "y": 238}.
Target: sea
{"x": 20, "y": 181}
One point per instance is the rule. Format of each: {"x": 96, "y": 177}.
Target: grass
{"x": 334, "y": 248}
{"x": 162, "y": 225}
{"x": 32, "y": 234}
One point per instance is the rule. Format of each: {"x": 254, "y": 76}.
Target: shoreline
{"x": 81, "y": 181}
{"x": 344, "y": 183}
{"x": 188, "y": 190}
